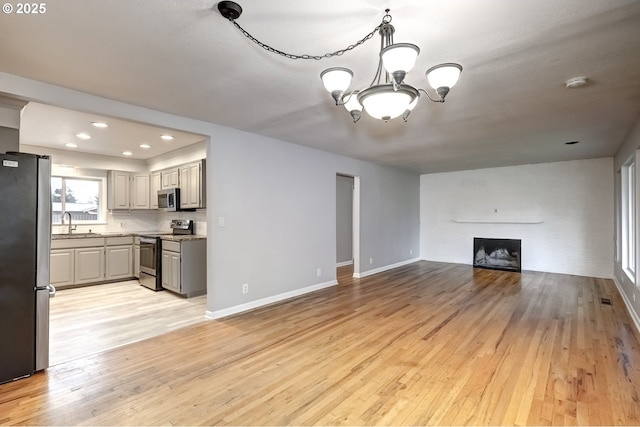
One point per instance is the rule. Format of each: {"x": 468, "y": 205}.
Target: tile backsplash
{"x": 144, "y": 220}
{"x": 199, "y": 219}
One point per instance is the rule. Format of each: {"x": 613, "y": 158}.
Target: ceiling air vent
{"x": 575, "y": 82}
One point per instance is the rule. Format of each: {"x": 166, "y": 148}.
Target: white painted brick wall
{"x": 574, "y": 200}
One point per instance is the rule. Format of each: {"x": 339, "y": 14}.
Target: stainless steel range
{"x": 151, "y": 253}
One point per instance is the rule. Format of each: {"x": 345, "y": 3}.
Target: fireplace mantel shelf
{"x": 498, "y": 221}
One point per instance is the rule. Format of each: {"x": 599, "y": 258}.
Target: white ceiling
{"x": 510, "y": 106}
{"x": 54, "y": 127}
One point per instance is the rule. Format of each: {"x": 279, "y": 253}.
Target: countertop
{"x": 181, "y": 238}
{"x": 175, "y": 238}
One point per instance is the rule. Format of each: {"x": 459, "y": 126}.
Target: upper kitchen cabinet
{"x": 140, "y": 197}
{"x": 118, "y": 190}
{"x": 155, "y": 186}
{"x": 128, "y": 190}
{"x": 170, "y": 178}
{"x": 193, "y": 185}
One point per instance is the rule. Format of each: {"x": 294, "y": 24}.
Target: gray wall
{"x": 9, "y": 139}
{"x": 279, "y": 205}
{"x": 344, "y": 219}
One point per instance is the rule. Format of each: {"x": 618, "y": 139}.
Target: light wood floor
{"x": 93, "y": 319}
{"x": 426, "y": 343}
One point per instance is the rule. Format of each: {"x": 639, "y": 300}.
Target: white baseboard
{"x": 630, "y": 309}
{"x": 344, "y": 263}
{"x": 385, "y": 268}
{"x": 266, "y": 301}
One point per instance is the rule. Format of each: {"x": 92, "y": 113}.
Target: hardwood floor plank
{"x": 427, "y": 343}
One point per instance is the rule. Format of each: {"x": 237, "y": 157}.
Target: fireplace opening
{"x": 497, "y": 254}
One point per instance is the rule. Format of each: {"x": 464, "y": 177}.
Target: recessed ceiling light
{"x": 100, "y": 125}
{"x": 127, "y": 153}
{"x": 571, "y": 142}
{"x": 145, "y": 146}
{"x": 70, "y": 145}
{"x": 166, "y": 137}
{"x": 83, "y": 135}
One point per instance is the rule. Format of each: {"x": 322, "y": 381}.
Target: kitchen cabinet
{"x": 155, "y": 185}
{"x": 119, "y": 257}
{"x": 171, "y": 271}
{"x": 89, "y": 265}
{"x": 184, "y": 267}
{"x": 79, "y": 261}
{"x": 118, "y": 188}
{"x": 62, "y": 267}
{"x": 119, "y": 262}
{"x": 128, "y": 190}
{"x": 76, "y": 266}
{"x": 76, "y": 261}
{"x": 170, "y": 178}
{"x": 140, "y": 197}
{"x": 193, "y": 185}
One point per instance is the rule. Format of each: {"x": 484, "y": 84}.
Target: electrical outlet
{"x": 371, "y": 260}
{"x": 319, "y": 272}
{"x": 245, "y": 288}
{"x": 410, "y": 251}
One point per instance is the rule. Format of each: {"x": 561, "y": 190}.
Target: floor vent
{"x": 605, "y": 301}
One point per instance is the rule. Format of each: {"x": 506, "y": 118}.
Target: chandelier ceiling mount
{"x": 230, "y": 9}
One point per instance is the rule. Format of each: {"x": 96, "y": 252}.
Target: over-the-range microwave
{"x": 169, "y": 199}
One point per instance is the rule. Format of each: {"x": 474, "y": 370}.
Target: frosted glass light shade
{"x": 352, "y": 104}
{"x": 399, "y": 57}
{"x": 444, "y": 75}
{"x": 411, "y": 106}
{"x": 383, "y": 103}
{"x": 336, "y": 79}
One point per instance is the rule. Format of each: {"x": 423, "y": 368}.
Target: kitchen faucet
{"x": 70, "y": 227}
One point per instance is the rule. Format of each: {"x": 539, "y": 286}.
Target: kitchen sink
{"x": 73, "y": 235}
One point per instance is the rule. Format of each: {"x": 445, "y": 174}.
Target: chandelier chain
{"x": 386, "y": 19}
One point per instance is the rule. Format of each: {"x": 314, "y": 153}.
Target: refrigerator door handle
{"x": 49, "y": 288}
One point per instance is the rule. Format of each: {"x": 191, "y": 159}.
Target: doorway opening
{"x": 347, "y": 227}
{"x": 84, "y": 317}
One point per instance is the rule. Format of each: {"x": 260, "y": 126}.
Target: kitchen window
{"x": 81, "y": 197}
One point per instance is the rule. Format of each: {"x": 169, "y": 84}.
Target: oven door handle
{"x": 147, "y": 240}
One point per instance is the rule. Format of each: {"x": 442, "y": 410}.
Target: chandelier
{"x": 388, "y": 96}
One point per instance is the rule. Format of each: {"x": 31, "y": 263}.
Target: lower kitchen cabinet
{"x": 184, "y": 267}
{"x": 119, "y": 262}
{"x": 171, "y": 271}
{"x": 81, "y": 261}
{"x": 89, "y": 265}
{"x": 62, "y": 267}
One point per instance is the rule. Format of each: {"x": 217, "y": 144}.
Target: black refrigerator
{"x": 25, "y": 243}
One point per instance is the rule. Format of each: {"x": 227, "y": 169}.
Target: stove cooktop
{"x": 155, "y": 234}
{"x": 179, "y": 227}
